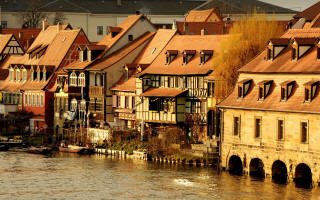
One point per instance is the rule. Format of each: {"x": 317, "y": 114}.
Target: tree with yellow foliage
{"x": 247, "y": 38}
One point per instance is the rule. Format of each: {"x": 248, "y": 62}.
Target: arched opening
{"x": 235, "y": 165}
{"x": 279, "y": 172}
{"x": 303, "y": 176}
{"x": 257, "y": 168}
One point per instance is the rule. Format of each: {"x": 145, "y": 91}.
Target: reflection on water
{"x": 70, "y": 176}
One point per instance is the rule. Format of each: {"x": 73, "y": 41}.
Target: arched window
{"x": 81, "y": 79}
{"x": 44, "y": 71}
{"x": 73, "y": 79}
{"x": 38, "y": 74}
{"x": 73, "y": 105}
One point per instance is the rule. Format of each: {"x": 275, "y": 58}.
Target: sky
{"x": 297, "y": 5}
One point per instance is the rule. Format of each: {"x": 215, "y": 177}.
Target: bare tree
{"x": 32, "y": 17}
{"x": 59, "y": 18}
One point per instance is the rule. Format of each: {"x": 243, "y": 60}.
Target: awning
{"x": 163, "y": 92}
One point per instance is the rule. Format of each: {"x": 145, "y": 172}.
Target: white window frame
{"x": 33, "y": 100}
{"x": 73, "y": 79}
{"x": 41, "y": 100}
{"x": 37, "y": 100}
{"x": 82, "y": 80}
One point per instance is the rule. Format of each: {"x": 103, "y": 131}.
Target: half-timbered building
{"x": 173, "y": 89}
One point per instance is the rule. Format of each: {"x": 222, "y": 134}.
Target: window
{"x": 264, "y": 89}
{"x": 310, "y": 91}
{"x": 210, "y": 89}
{"x": 257, "y": 127}
{"x": 11, "y": 74}
{"x": 304, "y": 132}
{"x": 107, "y": 30}
{"x": 130, "y": 37}
{"x": 236, "y": 126}
{"x": 280, "y": 129}
{"x": 99, "y": 30}
{"x": 4, "y": 24}
{"x": 170, "y": 55}
{"x": 133, "y": 102}
{"x": 37, "y": 101}
{"x": 162, "y": 81}
{"x": 38, "y": 74}
{"x": 41, "y": 100}
{"x": 170, "y": 82}
{"x": 118, "y": 101}
{"x": 244, "y": 87}
{"x": 287, "y": 90}
{"x": 24, "y": 75}
{"x": 33, "y": 100}
{"x": 32, "y": 74}
{"x": 205, "y": 55}
{"x": 29, "y": 100}
{"x": 73, "y": 79}
{"x": 18, "y": 78}
{"x": 157, "y": 104}
{"x": 187, "y": 56}
{"x": 25, "y": 99}
{"x": 81, "y": 79}
{"x": 73, "y": 105}
{"x": 126, "y": 102}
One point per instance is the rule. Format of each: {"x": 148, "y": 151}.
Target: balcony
{"x": 96, "y": 91}
{"x": 196, "y": 118}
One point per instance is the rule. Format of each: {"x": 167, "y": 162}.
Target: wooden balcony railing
{"x": 196, "y": 118}
{"x": 96, "y": 91}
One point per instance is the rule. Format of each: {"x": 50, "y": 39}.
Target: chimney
{"x": 137, "y": 12}
{"x": 45, "y": 25}
{"x": 118, "y": 2}
{"x": 58, "y": 27}
{"x": 174, "y": 25}
{"x": 20, "y": 34}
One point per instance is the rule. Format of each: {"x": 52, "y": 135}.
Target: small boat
{"x": 4, "y": 147}
{"x": 70, "y": 148}
{"x": 39, "y": 150}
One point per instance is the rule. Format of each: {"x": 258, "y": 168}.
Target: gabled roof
{"x": 181, "y": 43}
{"x": 283, "y": 64}
{"x": 4, "y": 39}
{"x": 201, "y": 15}
{"x": 121, "y": 53}
{"x": 316, "y": 22}
{"x": 155, "y": 46}
{"x": 125, "y": 25}
{"x": 56, "y": 43}
{"x": 24, "y": 35}
{"x": 310, "y": 13}
{"x": 243, "y": 7}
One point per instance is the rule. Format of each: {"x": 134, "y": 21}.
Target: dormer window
{"x": 73, "y": 79}
{"x": 205, "y": 55}
{"x": 81, "y": 79}
{"x": 44, "y": 72}
{"x": 286, "y": 90}
{"x": 264, "y": 89}
{"x": 275, "y": 47}
{"x": 294, "y": 53}
{"x": 300, "y": 46}
{"x": 187, "y": 55}
{"x": 24, "y": 74}
{"x": 18, "y": 77}
{"x": 130, "y": 37}
{"x": 311, "y": 89}
{"x": 11, "y": 72}
{"x": 244, "y": 87}
{"x": 170, "y": 55}
{"x": 114, "y": 31}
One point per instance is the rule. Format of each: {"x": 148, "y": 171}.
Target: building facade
{"x": 270, "y": 120}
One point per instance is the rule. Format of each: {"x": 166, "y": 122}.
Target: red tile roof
{"x": 316, "y": 22}
{"x": 24, "y": 35}
{"x": 185, "y": 42}
{"x": 121, "y": 53}
{"x": 201, "y": 15}
{"x": 163, "y": 92}
{"x": 212, "y": 28}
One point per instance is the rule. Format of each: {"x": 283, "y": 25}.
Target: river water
{"x": 70, "y": 176}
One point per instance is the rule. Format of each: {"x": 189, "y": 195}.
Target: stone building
{"x": 270, "y": 120}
